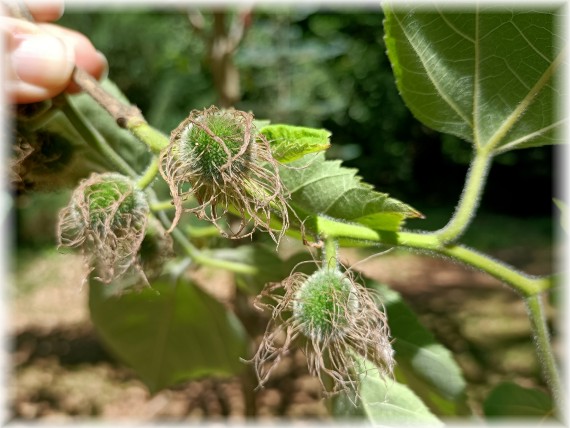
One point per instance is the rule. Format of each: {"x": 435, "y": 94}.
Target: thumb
{"x": 38, "y": 64}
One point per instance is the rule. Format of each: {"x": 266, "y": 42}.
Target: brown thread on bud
{"x": 106, "y": 218}
{"x": 349, "y": 323}
{"x": 226, "y": 163}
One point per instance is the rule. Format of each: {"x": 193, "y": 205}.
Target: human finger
{"x": 38, "y": 64}
{"x": 87, "y": 57}
{"x": 39, "y": 10}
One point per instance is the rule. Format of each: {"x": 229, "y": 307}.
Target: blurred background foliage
{"x": 311, "y": 67}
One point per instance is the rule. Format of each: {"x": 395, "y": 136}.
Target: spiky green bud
{"x": 218, "y": 157}
{"x": 324, "y": 304}
{"x": 106, "y": 218}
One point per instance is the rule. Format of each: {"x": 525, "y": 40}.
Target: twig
{"x": 122, "y": 113}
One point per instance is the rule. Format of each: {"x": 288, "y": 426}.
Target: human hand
{"x": 40, "y": 58}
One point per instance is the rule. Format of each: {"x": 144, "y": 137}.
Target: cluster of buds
{"x": 219, "y": 158}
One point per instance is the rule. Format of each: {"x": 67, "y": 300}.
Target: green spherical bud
{"x": 215, "y": 138}
{"x": 115, "y": 194}
{"x": 106, "y": 218}
{"x": 219, "y": 158}
{"x": 324, "y": 303}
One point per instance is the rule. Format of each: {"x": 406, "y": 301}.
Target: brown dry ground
{"x": 62, "y": 373}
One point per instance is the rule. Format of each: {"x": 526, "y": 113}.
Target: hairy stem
{"x": 544, "y": 347}
{"x": 330, "y": 253}
{"x": 349, "y": 234}
{"x": 465, "y": 211}
{"x": 154, "y": 139}
{"x": 119, "y": 111}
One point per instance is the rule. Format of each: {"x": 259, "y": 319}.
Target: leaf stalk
{"x": 470, "y": 198}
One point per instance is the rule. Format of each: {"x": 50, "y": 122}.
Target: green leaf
{"x": 322, "y": 187}
{"x": 489, "y": 76}
{"x": 289, "y": 143}
{"x": 169, "y": 333}
{"x": 385, "y": 401}
{"x": 426, "y": 366}
{"x": 121, "y": 140}
{"x": 511, "y": 400}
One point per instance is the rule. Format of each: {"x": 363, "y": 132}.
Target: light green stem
{"x": 93, "y": 138}
{"x": 199, "y": 256}
{"x": 147, "y": 178}
{"x": 347, "y": 233}
{"x": 154, "y": 139}
{"x": 470, "y": 197}
{"x": 330, "y": 254}
{"x": 162, "y": 206}
{"x": 545, "y": 353}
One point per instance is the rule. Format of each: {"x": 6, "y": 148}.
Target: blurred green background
{"x": 311, "y": 67}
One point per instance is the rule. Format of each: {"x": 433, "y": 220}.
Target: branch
{"x": 122, "y": 113}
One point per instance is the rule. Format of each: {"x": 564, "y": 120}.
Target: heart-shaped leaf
{"x": 488, "y": 76}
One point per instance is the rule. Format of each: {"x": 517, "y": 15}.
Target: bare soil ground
{"x": 62, "y": 373}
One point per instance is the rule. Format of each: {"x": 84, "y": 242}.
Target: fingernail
{"x": 42, "y": 60}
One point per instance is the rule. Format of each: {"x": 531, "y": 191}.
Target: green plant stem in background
{"x": 543, "y": 345}
{"x": 92, "y": 137}
{"x": 162, "y": 206}
{"x": 149, "y": 175}
{"x": 202, "y": 258}
{"x": 465, "y": 211}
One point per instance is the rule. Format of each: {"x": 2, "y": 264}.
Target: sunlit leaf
{"x": 318, "y": 186}
{"x": 289, "y": 143}
{"x": 426, "y": 365}
{"x": 489, "y": 75}
{"x": 168, "y": 333}
{"x": 386, "y": 402}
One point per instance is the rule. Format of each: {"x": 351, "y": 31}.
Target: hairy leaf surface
{"x": 169, "y": 333}
{"x": 488, "y": 76}
{"x": 322, "y": 187}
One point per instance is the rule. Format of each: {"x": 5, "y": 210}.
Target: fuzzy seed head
{"x": 210, "y": 154}
{"x": 106, "y": 218}
{"x": 218, "y": 157}
{"x": 333, "y": 318}
{"x": 324, "y": 304}
{"x": 105, "y": 194}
